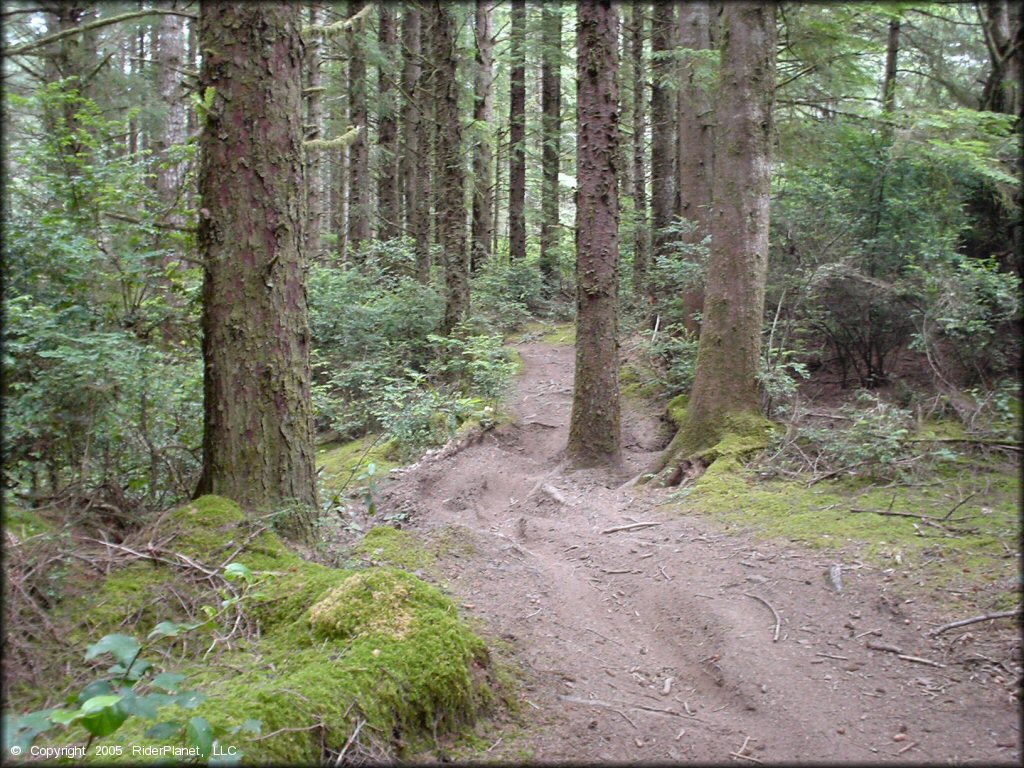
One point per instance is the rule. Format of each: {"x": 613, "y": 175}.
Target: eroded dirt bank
{"x": 657, "y": 643}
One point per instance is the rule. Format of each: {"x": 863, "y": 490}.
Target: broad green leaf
{"x": 190, "y": 699}
{"x": 199, "y": 734}
{"x": 140, "y": 706}
{"x": 237, "y": 571}
{"x": 168, "y": 681}
{"x": 103, "y": 720}
{"x": 163, "y": 730}
{"x": 122, "y": 647}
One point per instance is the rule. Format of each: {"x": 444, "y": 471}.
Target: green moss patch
{"x": 343, "y": 464}
{"x": 376, "y": 649}
{"x": 24, "y": 523}
{"x": 384, "y": 545}
{"x": 972, "y": 554}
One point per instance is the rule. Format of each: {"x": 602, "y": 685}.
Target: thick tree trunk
{"x": 696, "y": 139}
{"x": 663, "y": 133}
{"x": 387, "y": 132}
{"x": 258, "y": 427}
{"x": 314, "y": 130}
{"x": 416, "y": 142}
{"x": 725, "y": 397}
{"x": 359, "y": 150}
{"x": 642, "y": 235}
{"x": 551, "y": 134}
{"x": 448, "y": 167}
{"x": 517, "y": 136}
{"x": 594, "y": 431}
{"x": 483, "y": 116}
{"x": 1002, "y": 22}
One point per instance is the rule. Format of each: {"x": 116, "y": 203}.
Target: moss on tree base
{"x": 697, "y": 445}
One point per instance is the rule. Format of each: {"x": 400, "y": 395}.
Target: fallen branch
{"x": 883, "y": 647}
{"x": 974, "y": 620}
{"x": 967, "y": 441}
{"x": 919, "y": 660}
{"x": 630, "y": 527}
{"x": 778, "y": 620}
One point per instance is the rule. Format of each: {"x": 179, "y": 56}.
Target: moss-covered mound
{"x": 375, "y": 649}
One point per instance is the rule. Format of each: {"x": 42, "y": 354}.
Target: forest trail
{"x": 657, "y": 643}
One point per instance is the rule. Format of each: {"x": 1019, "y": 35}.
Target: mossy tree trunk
{"x": 642, "y": 234}
{"x": 696, "y": 139}
{"x": 594, "y": 431}
{"x": 448, "y": 174}
{"x": 483, "y": 115}
{"x": 725, "y": 397}
{"x": 258, "y": 427}
{"x": 663, "y": 124}
{"x": 517, "y": 135}
{"x": 551, "y": 106}
{"x": 416, "y": 143}
{"x": 314, "y": 130}
{"x": 387, "y": 130}
{"x": 359, "y": 150}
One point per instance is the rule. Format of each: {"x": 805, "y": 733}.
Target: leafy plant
{"x": 132, "y": 687}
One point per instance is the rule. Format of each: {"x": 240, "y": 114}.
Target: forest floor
{"x": 685, "y": 639}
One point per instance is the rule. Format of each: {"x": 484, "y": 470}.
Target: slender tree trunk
{"x": 499, "y": 159}
{"x": 696, "y": 139}
{"x": 448, "y": 167}
{"x": 891, "y": 55}
{"x": 483, "y": 116}
{"x": 387, "y": 132}
{"x": 517, "y": 135}
{"x": 642, "y": 235}
{"x": 663, "y": 133}
{"x": 594, "y": 432}
{"x": 170, "y": 60}
{"x": 725, "y": 397}
{"x": 314, "y": 130}
{"x": 551, "y": 107}
{"x": 359, "y": 155}
{"x": 258, "y": 427}
{"x": 416, "y": 142}
{"x": 428, "y": 135}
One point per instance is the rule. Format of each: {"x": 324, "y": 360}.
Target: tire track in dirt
{"x": 651, "y": 644}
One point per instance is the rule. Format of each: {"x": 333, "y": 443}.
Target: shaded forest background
{"x": 895, "y": 232}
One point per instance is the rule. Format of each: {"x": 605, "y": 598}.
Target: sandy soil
{"x": 683, "y": 640}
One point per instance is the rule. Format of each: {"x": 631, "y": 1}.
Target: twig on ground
{"x": 351, "y": 739}
{"x": 907, "y": 748}
{"x": 597, "y": 703}
{"x": 831, "y": 656}
{"x": 974, "y": 620}
{"x": 919, "y": 660}
{"x": 883, "y": 647}
{"x": 775, "y": 613}
{"x": 630, "y": 527}
{"x": 869, "y": 632}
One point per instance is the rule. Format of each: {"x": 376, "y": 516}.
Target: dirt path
{"x": 657, "y": 643}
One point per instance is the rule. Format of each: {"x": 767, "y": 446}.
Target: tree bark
{"x": 483, "y": 116}
{"x": 387, "y": 132}
{"x": 551, "y": 134}
{"x": 642, "y": 234}
{"x": 416, "y": 142}
{"x": 258, "y": 426}
{"x": 1003, "y": 37}
{"x": 313, "y": 130}
{"x": 517, "y": 135}
{"x": 663, "y": 133}
{"x": 725, "y": 397}
{"x": 696, "y": 139}
{"x": 594, "y": 431}
{"x": 358, "y": 151}
{"x": 448, "y": 167}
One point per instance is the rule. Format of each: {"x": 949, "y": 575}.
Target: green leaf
{"x": 190, "y": 699}
{"x": 237, "y": 571}
{"x": 171, "y": 629}
{"x": 168, "y": 681}
{"x": 122, "y": 647}
{"x": 163, "y": 730}
{"x": 199, "y": 734}
{"x": 96, "y": 688}
{"x": 65, "y": 716}
{"x": 140, "y": 706}
{"x": 103, "y": 715}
